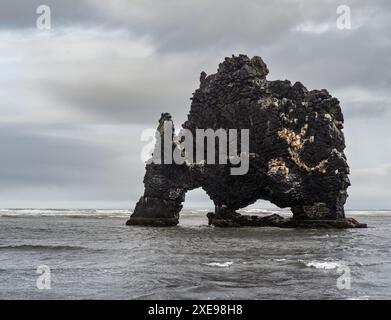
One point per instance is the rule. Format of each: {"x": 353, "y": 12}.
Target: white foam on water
{"x": 325, "y": 265}
{"x": 219, "y": 264}
{"x": 359, "y": 298}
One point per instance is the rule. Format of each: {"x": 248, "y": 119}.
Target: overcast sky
{"x": 74, "y": 100}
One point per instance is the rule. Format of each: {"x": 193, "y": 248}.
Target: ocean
{"x": 92, "y": 254}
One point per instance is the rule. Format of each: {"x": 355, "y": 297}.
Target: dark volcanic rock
{"x": 296, "y": 153}
{"x": 275, "y": 220}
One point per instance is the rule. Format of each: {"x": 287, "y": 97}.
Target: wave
{"x": 219, "y": 264}
{"x": 377, "y": 213}
{"x": 280, "y": 260}
{"x": 359, "y": 298}
{"x": 28, "y": 247}
{"x": 71, "y": 213}
{"x": 325, "y": 265}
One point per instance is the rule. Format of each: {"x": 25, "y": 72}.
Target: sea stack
{"x": 295, "y": 153}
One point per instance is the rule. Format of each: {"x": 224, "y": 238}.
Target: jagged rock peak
{"x": 243, "y": 66}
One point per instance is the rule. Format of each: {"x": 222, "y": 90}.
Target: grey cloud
{"x": 16, "y": 14}
{"x": 74, "y": 164}
{"x": 58, "y": 91}
{"x": 367, "y": 110}
{"x": 366, "y": 181}
{"x": 96, "y": 100}
{"x": 367, "y": 142}
{"x": 336, "y": 59}
{"x": 378, "y": 176}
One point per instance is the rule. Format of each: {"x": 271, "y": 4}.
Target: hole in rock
{"x": 195, "y": 207}
{"x": 197, "y": 200}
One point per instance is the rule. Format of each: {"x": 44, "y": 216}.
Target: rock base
{"x": 152, "y": 222}
{"x": 275, "y": 220}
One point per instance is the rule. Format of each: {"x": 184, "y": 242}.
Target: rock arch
{"x": 296, "y": 156}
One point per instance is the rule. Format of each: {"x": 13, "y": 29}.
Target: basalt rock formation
{"x": 296, "y": 153}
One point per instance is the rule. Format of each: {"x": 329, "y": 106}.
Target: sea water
{"x": 92, "y": 254}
